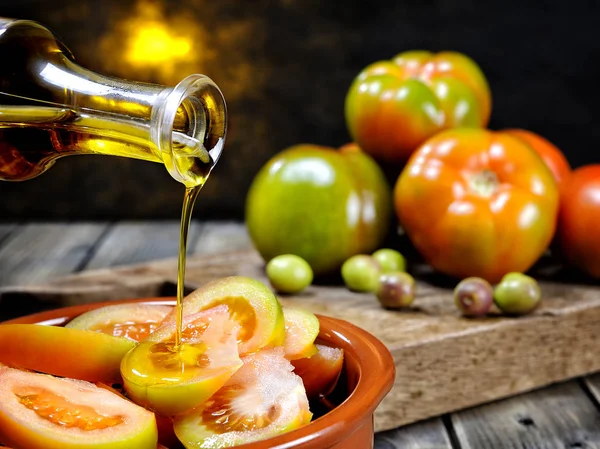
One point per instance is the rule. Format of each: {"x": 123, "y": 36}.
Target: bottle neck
{"x": 184, "y": 126}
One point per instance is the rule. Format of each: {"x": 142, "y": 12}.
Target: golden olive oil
{"x": 189, "y": 198}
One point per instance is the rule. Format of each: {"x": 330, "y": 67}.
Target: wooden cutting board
{"x": 444, "y": 362}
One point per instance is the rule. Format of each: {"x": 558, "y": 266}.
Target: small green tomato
{"x": 390, "y": 260}
{"x": 361, "y": 273}
{"x": 517, "y": 294}
{"x": 289, "y": 273}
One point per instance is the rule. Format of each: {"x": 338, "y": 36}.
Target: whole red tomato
{"x": 579, "y": 219}
{"x": 553, "y": 157}
{"x": 477, "y": 203}
{"x": 394, "y": 106}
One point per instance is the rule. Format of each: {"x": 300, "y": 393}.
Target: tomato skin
{"x": 477, "y": 203}
{"x": 61, "y": 351}
{"x": 553, "y": 157}
{"x": 579, "y": 216}
{"x": 394, "y": 106}
{"x": 318, "y": 203}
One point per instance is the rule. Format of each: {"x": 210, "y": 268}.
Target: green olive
{"x": 396, "y": 290}
{"x": 517, "y": 294}
{"x": 361, "y": 273}
{"x": 289, "y": 273}
{"x": 390, "y": 260}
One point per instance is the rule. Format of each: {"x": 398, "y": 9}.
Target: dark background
{"x": 285, "y": 66}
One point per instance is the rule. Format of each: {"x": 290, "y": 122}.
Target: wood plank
{"x": 560, "y": 416}
{"x": 438, "y": 354}
{"x": 136, "y": 242}
{"x": 430, "y": 434}
{"x": 37, "y": 252}
{"x": 592, "y": 383}
{"x": 219, "y": 237}
{"x": 5, "y": 230}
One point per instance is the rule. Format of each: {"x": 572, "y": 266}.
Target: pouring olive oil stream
{"x": 50, "y": 107}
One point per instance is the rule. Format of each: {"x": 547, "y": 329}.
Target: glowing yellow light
{"x": 153, "y": 44}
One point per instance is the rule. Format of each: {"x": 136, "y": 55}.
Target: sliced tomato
{"x": 133, "y": 321}
{"x": 166, "y": 433}
{"x": 74, "y": 353}
{"x": 320, "y": 372}
{"x": 263, "y": 399}
{"x": 251, "y": 304}
{"x": 38, "y": 411}
{"x": 301, "y": 330}
{"x": 171, "y": 381}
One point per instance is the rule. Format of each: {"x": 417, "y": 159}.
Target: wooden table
{"x": 562, "y": 416}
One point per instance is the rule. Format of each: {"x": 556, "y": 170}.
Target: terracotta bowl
{"x": 367, "y": 377}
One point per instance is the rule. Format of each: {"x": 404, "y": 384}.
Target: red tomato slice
{"x": 321, "y": 371}
{"x": 38, "y": 411}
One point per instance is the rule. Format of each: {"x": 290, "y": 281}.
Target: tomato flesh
{"x": 220, "y": 415}
{"x": 129, "y": 329}
{"x": 132, "y": 321}
{"x": 62, "y": 412}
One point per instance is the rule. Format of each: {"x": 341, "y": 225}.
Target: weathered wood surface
{"x": 36, "y": 252}
{"x": 133, "y": 242}
{"x": 438, "y": 354}
{"x": 430, "y": 434}
{"x": 5, "y": 230}
{"x": 473, "y": 428}
{"x": 221, "y": 237}
{"x": 560, "y": 416}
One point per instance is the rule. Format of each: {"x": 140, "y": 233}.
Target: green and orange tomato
{"x": 477, "y": 203}
{"x": 319, "y": 203}
{"x": 394, "y": 106}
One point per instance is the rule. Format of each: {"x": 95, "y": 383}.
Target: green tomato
{"x": 361, "y": 273}
{"x": 390, "y": 260}
{"x": 517, "y": 294}
{"x": 319, "y": 203}
{"x": 289, "y": 273}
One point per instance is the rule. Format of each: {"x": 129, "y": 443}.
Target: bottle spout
{"x": 188, "y": 127}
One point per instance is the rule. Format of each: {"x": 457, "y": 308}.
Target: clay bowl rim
{"x": 376, "y": 373}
